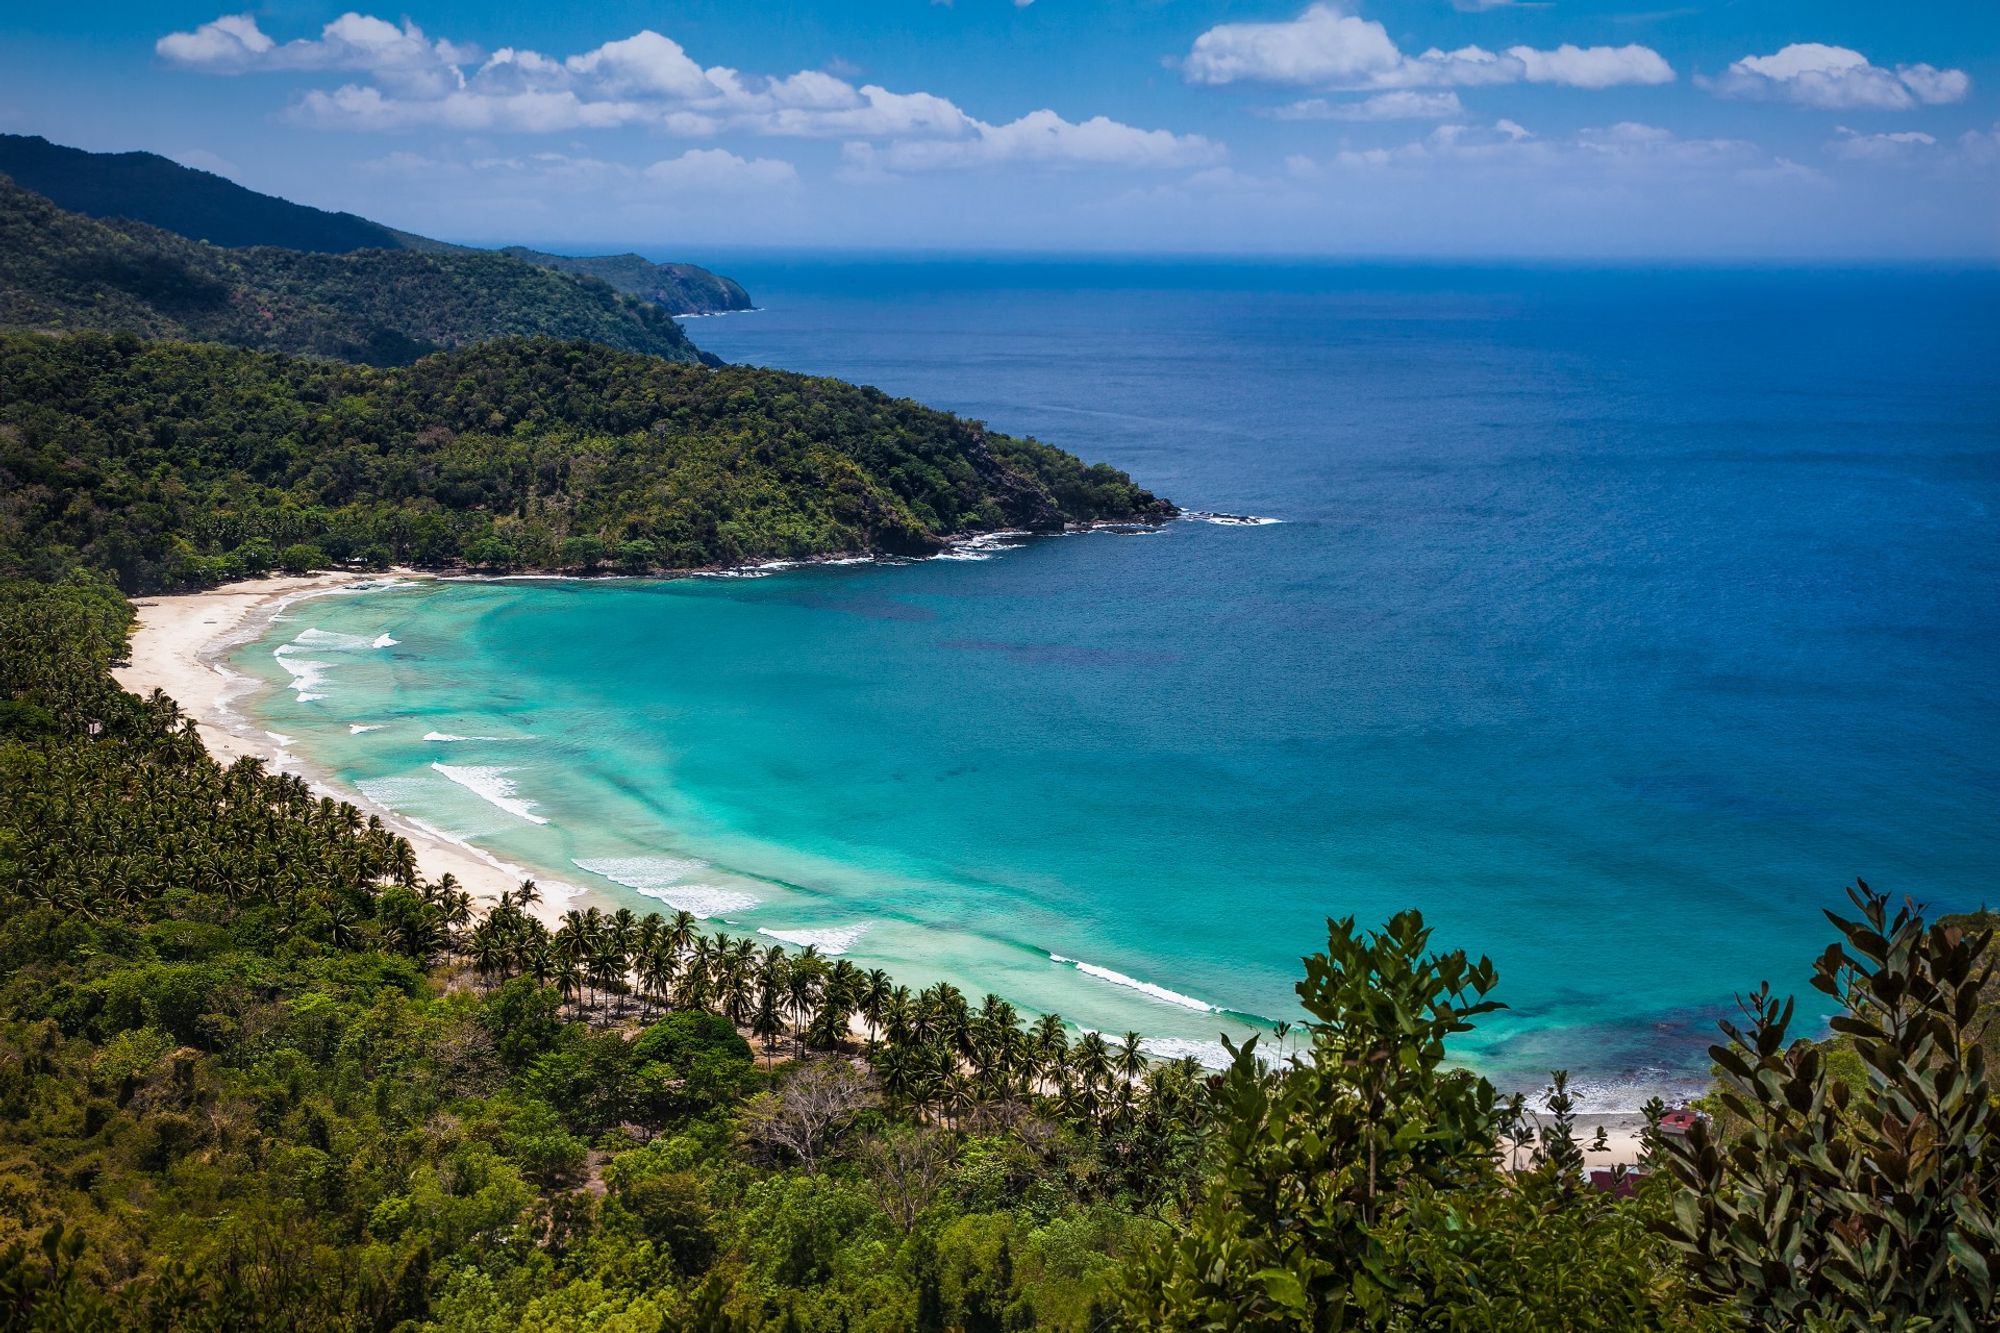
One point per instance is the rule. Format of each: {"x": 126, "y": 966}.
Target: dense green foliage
{"x": 148, "y": 188}
{"x": 683, "y": 289}
{"x": 179, "y": 466}
{"x": 61, "y": 270}
{"x": 256, "y": 1073}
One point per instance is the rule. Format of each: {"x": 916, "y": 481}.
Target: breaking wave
{"x": 492, "y": 786}
{"x": 665, "y": 878}
{"x": 830, "y": 940}
{"x": 1160, "y": 993}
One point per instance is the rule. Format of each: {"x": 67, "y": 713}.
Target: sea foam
{"x": 984, "y": 546}
{"x": 356, "y": 728}
{"x": 1209, "y": 1054}
{"x": 829, "y": 940}
{"x": 665, "y": 878}
{"x": 327, "y": 640}
{"x": 307, "y": 676}
{"x": 1229, "y": 520}
{"x": 445, "y": 737}
{"x": 492, "y": 786}
{"x": 1143, "y": 987}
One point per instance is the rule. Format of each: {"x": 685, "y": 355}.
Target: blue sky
{"x": 1810, "y": 129}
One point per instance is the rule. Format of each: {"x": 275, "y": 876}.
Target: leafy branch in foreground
{"x": 1869, "y": 1203}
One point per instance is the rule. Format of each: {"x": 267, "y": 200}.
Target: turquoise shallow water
{"x": 1616, "y": 620}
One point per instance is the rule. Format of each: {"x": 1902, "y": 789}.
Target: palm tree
{"x": 902, "y": 1068}
{"x": 1091, "y": 1059}
{"x": 488, "y": 953}
{"x": 767, "y": 1024}
{"x": 656, "y": 973}
{"x": 607, "y": 970}
{"x": 1131, "y": 1061}
{"x": 569, "y": 978}
{"x": 802, "y": 986}
{"x": 873, "y": 1001}
{"x": 899, "y": 1017}
{"x": 680, "y": 931}
{"x": 1050, "y": 1042}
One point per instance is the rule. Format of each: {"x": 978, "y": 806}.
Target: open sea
{"x": 1615, "y": 618}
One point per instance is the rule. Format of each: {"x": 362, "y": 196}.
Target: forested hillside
{"x": 64, "y": 271}
{"x": 176, "y": 465}
{"x": 202, "y": 206}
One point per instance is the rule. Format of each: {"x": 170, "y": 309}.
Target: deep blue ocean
{"x": 1615, "y": 618}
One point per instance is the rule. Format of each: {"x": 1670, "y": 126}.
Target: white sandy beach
{"x": 176, "y": 647}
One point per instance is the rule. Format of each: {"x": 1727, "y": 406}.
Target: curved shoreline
{"x": 177, "y": 645}
{"x": 177, "y": 642}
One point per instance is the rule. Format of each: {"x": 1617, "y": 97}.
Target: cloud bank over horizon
{"x": 1480, "y": 127}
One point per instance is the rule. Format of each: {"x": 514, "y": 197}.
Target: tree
{"x": 808, "y": 1113}
{"x": 300, "y": 558}
{"x": 1875, "y": 1203}
{"x": 906, "y": 1168}
{"x": 584, "y": 553}
{"x": 1311, "y": 1157}
{"x": 638, "y": 556}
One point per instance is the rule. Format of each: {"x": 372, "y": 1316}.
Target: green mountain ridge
{"x": 177, "y": 466}
{"x": 202, "y": 206}
{"x": 62, "y": 271}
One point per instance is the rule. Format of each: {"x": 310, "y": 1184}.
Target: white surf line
{"x": 665, "y": 879}
{"x": 830, "y": 940}
{"x": 492, "y": 786}
{"x": 1160, "y": 993}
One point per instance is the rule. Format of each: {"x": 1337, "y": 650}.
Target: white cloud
{"x": 1837, "y": 78}
{"x": 871, "y": 112}
{"x": 715, "y": 171}
{"x": 1400, "y": 105}
{"x": 1781, "y": 171}
{"x": 1320, "y": 46}
{"x": 1325, "y": 46}
{"x": 704, "y": 171}
{"x": 400, "y": 56}
{"x": 649, "y": 79}
{"x": 231, "y": 42}
{"x": 1853, "y": 146}
{"x": 1593, "y": 66}
{"x": 648, "y": 64}
{"x": 1045, "y": 137}
{"x": 356, "y": 107}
